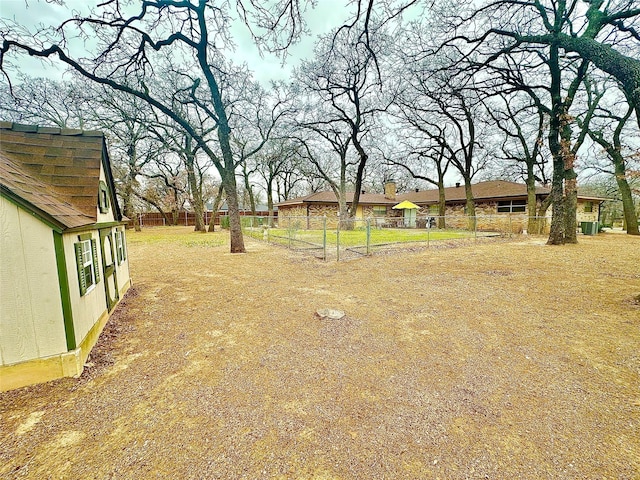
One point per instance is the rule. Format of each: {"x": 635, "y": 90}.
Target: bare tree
{"x": 178, "y": 35}
{"x": 45, "y": 102}
{"x": 607, "y": 128}
{"x": 278, "y": 160}
{"x": 505, "y": 32}
{"x": 523, "y": 127}
{"x": 344, "y": 79}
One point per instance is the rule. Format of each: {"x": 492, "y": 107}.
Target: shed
{"x": 64, "y": 263}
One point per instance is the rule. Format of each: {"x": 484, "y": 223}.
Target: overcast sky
{"x": 37, "y": 13}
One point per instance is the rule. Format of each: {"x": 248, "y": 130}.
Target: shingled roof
{"x": 329, "y": 197}
{"x": 55, "y": 171}
{"x": 493, "y": 189}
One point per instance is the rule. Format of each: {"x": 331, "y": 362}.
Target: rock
{"x": 330, "y": 313}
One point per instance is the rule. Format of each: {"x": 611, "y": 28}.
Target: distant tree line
{"x": 540, "y": 91}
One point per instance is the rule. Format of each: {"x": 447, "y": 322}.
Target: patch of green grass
{"x": 176, "y": 235}
{"x": 358, "y": 237}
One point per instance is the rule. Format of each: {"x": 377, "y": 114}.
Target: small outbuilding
{"x": 63, "y": 251}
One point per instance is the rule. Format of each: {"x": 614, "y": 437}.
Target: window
{"x": 588, "y": 207}
{"x": 87, "y": 263}
{"x": 121, "y": 251}
{"x": 103, "y": 197}
{"x": 512, "y": 206}
{"x": 379, "y": 211}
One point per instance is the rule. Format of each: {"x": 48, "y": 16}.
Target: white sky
{"x": 33, "y": 14}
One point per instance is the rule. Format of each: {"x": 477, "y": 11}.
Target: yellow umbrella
{"x": 406, "y": 205}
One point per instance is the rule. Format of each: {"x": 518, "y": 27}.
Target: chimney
{"x": 390, "y": 190}
{"x": 417, "y": 190}
{"x": 362, "y": 191}
{"x": 457, "y": 184}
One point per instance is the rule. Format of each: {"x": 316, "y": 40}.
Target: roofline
{"x": 108, "y": 173}
{"x": 21, "y": 127}
{"x": 32, "y": 209}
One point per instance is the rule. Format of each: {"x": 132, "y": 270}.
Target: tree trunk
{"x": 196, "y": 192}
{"x": 343, "y": 208}
{"x": 249, "y": 189}
{"x": 570, "y": 208}
{"x": 470, "y": 205}
{"x": 570, "y": 182}
{"x": 630, "y": 215}
{"x": 532, "y": 206}
{"x": 227, "y": 169}
{"x": 270, "y": 201}
{"x": 216, "y": 207}
{"x": 556, "y": 234}
{"x": 359, "y": 174}
{"x": 128, "y": 209}
{"x": 235, "y": 227}
{"x": 442, "y": 204}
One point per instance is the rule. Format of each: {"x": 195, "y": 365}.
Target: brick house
{"x": 496, "y": 202}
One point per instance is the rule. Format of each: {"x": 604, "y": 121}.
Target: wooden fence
{"x": 185, "y": 218}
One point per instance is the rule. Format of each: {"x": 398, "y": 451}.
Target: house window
{"x": 379, "y": 211}
{"x": 512, "y": 206}
{"x": 87, "y": 263}
{"x": 103, "y": 197}
{"x": 588, "y": 207}
{"x": 121, "y": 252}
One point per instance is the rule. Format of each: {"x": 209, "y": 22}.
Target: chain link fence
{"x": 335, "y": 239}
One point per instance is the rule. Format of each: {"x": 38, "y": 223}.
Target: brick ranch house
{"x": 496, "y": 201}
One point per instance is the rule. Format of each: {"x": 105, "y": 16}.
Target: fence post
{"x": 338, "y": 241}
{"x": 368, "y": 236}
{"x": 510, "y": 228}
{"x": 324, "y": 238}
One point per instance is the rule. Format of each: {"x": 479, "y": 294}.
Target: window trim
{"x": 103, "y": 197}
{"x": 121, "y": 252}
{"x": 379, "y": 208}
{"x": 86, "y": 251}
{"x": 511, "y": 206}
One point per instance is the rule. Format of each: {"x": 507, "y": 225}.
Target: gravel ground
{"x": 491, "y": 360}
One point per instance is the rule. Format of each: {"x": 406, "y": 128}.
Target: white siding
{"x": 123, "y": 268}
{"x": 88, "y": 308}
{"x": 31, "y": 319}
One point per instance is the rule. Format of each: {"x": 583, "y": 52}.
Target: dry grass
{"x": 496, "y": 360}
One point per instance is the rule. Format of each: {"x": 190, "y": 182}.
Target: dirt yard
{"x": 497, "y": 360}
